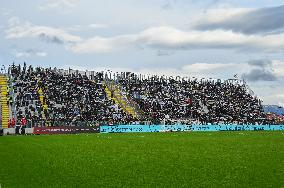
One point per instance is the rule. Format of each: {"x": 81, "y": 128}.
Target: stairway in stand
{"x": 5, "y": 113}
{"x": 120, "y": 99}
{"x": 44, "y": 105}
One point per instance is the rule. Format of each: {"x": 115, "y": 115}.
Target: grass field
{"x": 195, "y": 159}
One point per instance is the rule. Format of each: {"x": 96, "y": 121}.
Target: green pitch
{"x": 199, "y": 159}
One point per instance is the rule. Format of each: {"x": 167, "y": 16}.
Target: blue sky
{"x": 211, "y": 38}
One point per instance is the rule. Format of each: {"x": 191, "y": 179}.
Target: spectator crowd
{"x": 68, "y": 99}
{"x": 198, "y": 101}
{"x": 52, "y": 97}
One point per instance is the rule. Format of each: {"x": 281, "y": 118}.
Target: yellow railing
{"x": 5, "y": 112}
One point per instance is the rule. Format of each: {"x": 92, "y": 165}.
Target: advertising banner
{"x": 129, "y": 128}
{"x": 65, "y": 130}
{"x": 183, "y": 128}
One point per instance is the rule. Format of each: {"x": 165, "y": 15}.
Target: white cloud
{"x": 5, "y": 11}
{"x": 89, "y": 27}
{"x": 16, "y": 30}
{"x": 13, "y": 21}
{"x": 29, "y": 53}
{"x": 250, "y": 21}
{"x": 278, "y": 67}
{"x": 58, "y": 4}
{"x": 274, "y": 98}
{"x": 175, "y": 39}
{"x": 217, "y": 15}
{"x": 98, "y": 26}
{"x": 158, "y": 38}
{"x": 101, "y": 44}
{"x": 210, "y": 67}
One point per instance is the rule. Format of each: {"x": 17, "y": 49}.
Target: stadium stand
{"x": 54, "y": 97}
{"x": 206, "y": 101}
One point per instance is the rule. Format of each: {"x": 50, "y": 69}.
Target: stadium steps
{"x": 108, "y": 92}
{"x": 5, "y": 111}
{"x": 41, "y": 98}
{"x": 120, "y": 99}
